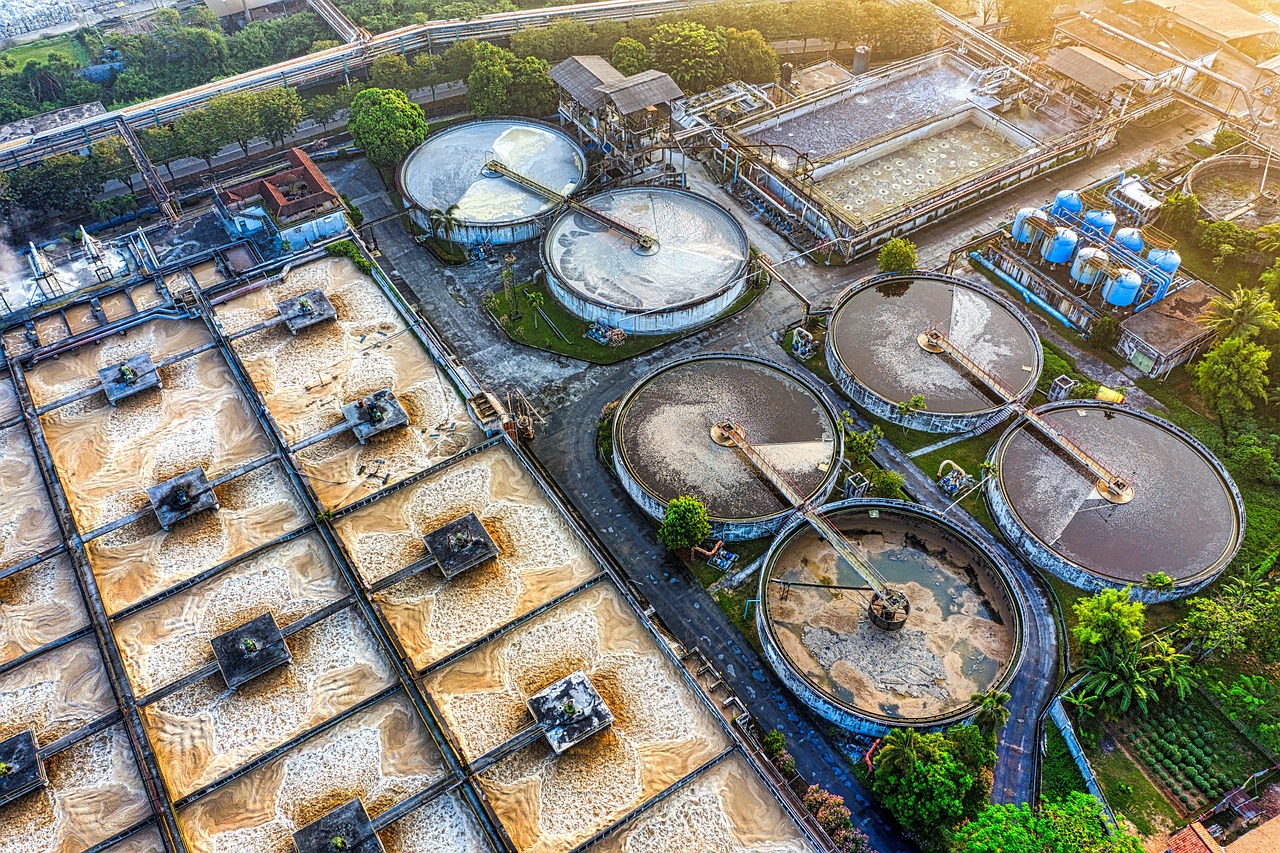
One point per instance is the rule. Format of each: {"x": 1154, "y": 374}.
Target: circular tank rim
{"x": 643, "y": 382}
{"x": 740, "y": 272}
{"x": 414, "y": 204}
{"x": 877, "y": 279}
{"x": 1183, "y": 585}
{"x": 1206, "y": 168}
{"x": 1002, "y": 573}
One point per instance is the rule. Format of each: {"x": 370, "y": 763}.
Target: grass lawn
{"x": 566, "y": 334}
{"x": 1131, "y": 794}
{"x": 1059, "y": 775}
{"x": 65, "y": 46}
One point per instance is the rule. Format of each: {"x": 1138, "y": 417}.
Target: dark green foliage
{"x": 348, "y": 249}
{"x": 1105, "y": 332}
{"x": 684, "y": 523}
{"x": 897, "y": 255}
{"x": 1225, "y": 137}
{"x": 386, "y": 125}
{"x": 1059, "y": 775}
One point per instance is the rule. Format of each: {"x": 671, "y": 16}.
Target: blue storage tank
{"x": 1131, "y": 239}
{"x": 1089, "y": 264}
{"x": 1101, "y": 222}
{"x": 1122, "y": 288}
{"x": 1068, "y": 201}
{"x": 1165, "y": 260}
{"x": 1028, "y": 223}
{"x": 1059, "y": 246}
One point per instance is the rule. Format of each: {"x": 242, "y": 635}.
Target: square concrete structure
{"x": 460, "y": 545}
{"x": 128, "y": 378}
{"x": 23, "y": 771}
{"x": 309, "y": 309}
{"x": 378, "y": 412}
{"x": 346, "y": 829}
{"x": 249, "y": 650}
{"x": 571, "y": 711}
{"x": 182, "y": 497}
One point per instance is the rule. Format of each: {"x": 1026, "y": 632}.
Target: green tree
{"x": 426, "y": 71}
{"x": 684, "y": 523}
{"x": 1105, "y": 332}
{"x": 386, "y": 125}
{"x": 897, "y": 755}
{"x": 237, "y": 117}
{"x": 930, "y": 795}
{"x": 884, "y": 484}
{"x": 629, "y": 56}
{"x": 391, "y": 72}
{"x": 1214, "y": 629}
{"x": 531, "y": 91}
{"x": 161, "y": 146}
{"x": 1158, "y": 581}
{"x": 1071, "y": 825}
{"x": 1225, "y": 137}
{"x": 1232, "y": 377}
{"x": 201, "y": 135}
{"x": 748, "y": 57}
{"x": 1180, "y": 211}
{"x": 322, "y": 109}
{"x": 897, "y": 255}
{"x": 1245, "y": 313}
{"x": 1029, "y": 20}
{"x": 1116, "y": 680}
{"x": 1224, "y": 233}
{"x": 1108, "y": 619}
{"x": 906, "y": 408}
{"x": 692, "y": 54}
{"x": 536, "y": 301}
{"x": 66, "y": 182}
{"x": 114, "y": 159}
{"x": 993, "y": 712}
{"x": 489, "y": 82}
{"x": 859, "y": 445}
{"x": 279, "y": 114}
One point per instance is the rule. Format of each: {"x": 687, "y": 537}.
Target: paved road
{"x": 570, "y": 394}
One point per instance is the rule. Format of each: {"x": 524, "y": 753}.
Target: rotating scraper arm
{"x": 643, "y": 239}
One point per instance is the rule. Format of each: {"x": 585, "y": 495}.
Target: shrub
{"x": 774, "y": 744}
{"x": 348, "y": 249}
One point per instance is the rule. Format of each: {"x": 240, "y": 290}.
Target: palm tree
{"x": 1116, "y": 679}
{"x": 898, "y": 752}
{"x": 992, "y": 713}
{"x": 1269, "y": 238}
{"x": 1245, "y": 313}
{"x": 1168, "y": 667}
{"x": 536, "y": 301}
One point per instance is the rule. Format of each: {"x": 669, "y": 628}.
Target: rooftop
{"x": 182, "y": 497}
{"x": 1172, "y": 323}
{"x": 1220, "y": 19}
{"x": 1095, "y": 71}
{"x": 570, "y": 710}
{"x": 50, "y": 120}
{"x": 1179, "y": 42}
{"x": 131, "y": 376}
{"x": 290, "y": 193}
{"x": 593, "y": 82}
{"x": 1193, "y": 838}
{"x": 460, "y": 545}
{"x": 249, "y": 650}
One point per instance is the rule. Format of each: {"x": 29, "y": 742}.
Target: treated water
{"x": 539, "y": 557}
{"x": 874, "y": 334}
{"x": 381, "y": 755}
{"x": 700, "y": 250}
{"x": 1181, "y": 521}
{"x": 957, "y": 640}
{"x": 664, "y": 435}
{"x": 660, "y": 734}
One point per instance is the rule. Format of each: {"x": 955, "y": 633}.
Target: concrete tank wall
{"x": 666, "y": 321}
{"x": 466, "y": 235}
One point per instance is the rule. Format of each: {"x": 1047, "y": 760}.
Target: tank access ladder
{"x": 889, "y": 606}
{"x": 1114, "y": 487}
{"x": 646, "y": 241}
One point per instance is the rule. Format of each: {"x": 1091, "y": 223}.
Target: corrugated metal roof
{"x": 227, "y": 8}
{"x": 581, "y": 77}
{"x": 1093, "y": 70}
{"x": 646, "y": 89}
{"x": 1220, "y": 17}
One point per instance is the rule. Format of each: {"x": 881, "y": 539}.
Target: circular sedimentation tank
{"x": 456, "y": 198}
{"x": 963, "y": 636}
{"x": 1185, "y": 518}
{"x": 1231, "y": 186}
{"x": 874, "y": 350}
{"x": 684, "y": 262}
{"x": 663, "y": 445}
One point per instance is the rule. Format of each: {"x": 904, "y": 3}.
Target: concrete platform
{"x": 129, "y": 377}
{"x": 182, "y": 497}
{"x": 346, "y": 829}
{"x": 377, "y": 413}
{"x": 571, "y": 710}
{"x": 24, "y": 771}
{"x": 309, "y": 309}
{"x": 249, "y": 650}
{"x": 460, "y": 545}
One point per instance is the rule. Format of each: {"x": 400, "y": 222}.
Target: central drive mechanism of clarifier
{"x": 889, "y": 606}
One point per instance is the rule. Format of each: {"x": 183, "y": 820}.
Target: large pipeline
{"x": 1027, "y": 294}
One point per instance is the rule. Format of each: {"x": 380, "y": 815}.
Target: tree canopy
{"x": 1072, "y": 825}
{"x": 897, "y": 255}
{"x": 684, "y": 523}
{"x": 692, "y": 54}
{"x": 386, "y": 125}
{"x": 1232, "y": 377}
{"x": 1109, "y": 618}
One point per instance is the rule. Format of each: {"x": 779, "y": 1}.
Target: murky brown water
{"x": 958, "y": 640}
{"x": 728, "y": 809}
{"x": 539, "y": 557}
{"x": 145, "y": 841}
{"x": 170, "y": 639}
{"x": 9, "y": 405}
{"x": 94, "y": 792}
{"x": 381, "y": 755}
{"x": 52, "y": 380}
{"x": 661, "y": 733}
{"x": 140, "y": 559}
{"x": 56, "y": 693}
{"x": 107, "y": 456}
{"x": 37, "y": 606}
{"x": 27, "y": 523}
{"x": 306, "y": 379}
{"x": 444, "y": 825}
{"x": 205, "y": 731}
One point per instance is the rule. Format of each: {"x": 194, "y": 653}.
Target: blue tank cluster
{"x": 1028, "y": 223}
{"x": 1067, "y": 201}
{"x": 1089, "y": 265}
{"x": 1165, "y": 260}
{"x": 1131, "y": 239}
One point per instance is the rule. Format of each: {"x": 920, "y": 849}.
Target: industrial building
{"x": 874, "y": 350}
{"x": 274, "y": 574}
{"x": 1094, "y": 253}
{"x": 664, "y": 445}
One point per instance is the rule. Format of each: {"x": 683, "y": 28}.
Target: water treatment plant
{"x": 963, "y": 636}
{"x": 455, "y": 196}
{"x": 694, "y": 267}
{"x": 874, "y": 351}
{"x": 664, "y": 445}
